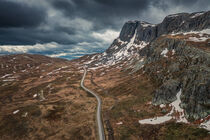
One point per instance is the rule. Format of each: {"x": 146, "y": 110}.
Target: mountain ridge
{"x": 135, "y": 35}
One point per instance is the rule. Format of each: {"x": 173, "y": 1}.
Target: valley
{"x": 153, "y": 82}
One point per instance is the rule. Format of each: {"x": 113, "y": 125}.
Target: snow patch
{"x": 162, "y": 106}
{"x": 164, "y": 52}
{"x": 197, "y": 14}
{"x": 205, "y": 125}
{"x": 119, "y": 123}
{"x": 204, "y": 31}
{"x": 9, "y": 80}
{"x": 126, "y": 51}
{"x": 35, "y": 95}
{"x": 179, "y": 113}
{"x": 6, "y": 76}
{"x": 173, "y": 52}
{"x": 195, "y": 39}
{"x": 145, "y": 24}
{"x": 122, "y": 42}
{"x": 156, "y": 120}
{"x": 173, "y": 15}
{"x": 16, "y": 111}
{"x": 25, "y": 114}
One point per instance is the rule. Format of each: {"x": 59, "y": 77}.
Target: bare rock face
{"x": 146, "y": 32}
{"x": 166, "y": 93}
{"x": 196, "y": 21}
{"x": 128, "y": 30}
{"x": 172, "y": 23}
{"x": 184, "y": 22}
{"x": 184, "y": 66}
{"x": 196, "y": 99}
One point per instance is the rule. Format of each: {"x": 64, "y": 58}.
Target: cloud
{"x": 103, "y": 13}
{"x": 108, "y": 36}
{"x": 88, "y": 25}
{"x": 54, "y": 49}
{"x": 159, "y": 9}
{"x": 28, "y": 48}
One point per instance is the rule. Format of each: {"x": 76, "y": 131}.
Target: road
{"x": 98, "y": 113}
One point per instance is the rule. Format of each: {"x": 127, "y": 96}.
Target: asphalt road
{"x": 98, "y": 113}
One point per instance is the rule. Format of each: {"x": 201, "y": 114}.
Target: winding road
{"x": 98, "y": 113}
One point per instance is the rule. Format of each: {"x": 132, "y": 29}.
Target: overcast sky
{"x": 55, "y": 25}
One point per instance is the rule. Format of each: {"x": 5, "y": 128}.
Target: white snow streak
{"x": 16, "y": 111}
{"x": 164, "y": 52}
{"x": 205, "y": 125}
{"x": 197, "y": 14}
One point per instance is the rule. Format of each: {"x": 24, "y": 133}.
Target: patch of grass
{"x": 120, "y": 107}
{"x": 9, "y": 89}
{"x": 13, "y": 126}
{"x": 125, "y": 108}
{"x": 79, "y": 133}
{"x": 125, "y": 133}
{"x": 59, "y": 81}
{"x": 33, "y": 110}
{"x": 56, "y": 113}
{"x": 38, "y": 88}
{"x": 176, "y": 131}
{"x": 55, "y": 90}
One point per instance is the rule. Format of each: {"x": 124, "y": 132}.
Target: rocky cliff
{"x": 173, "y": 23}
{"x": 176, "y": 63}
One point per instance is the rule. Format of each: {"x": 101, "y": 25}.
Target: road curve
{"x": 98, "y": 113}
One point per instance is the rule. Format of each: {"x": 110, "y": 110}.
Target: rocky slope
{"x": 176, "y": 63}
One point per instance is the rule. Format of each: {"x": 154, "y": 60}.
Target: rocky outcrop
{"x": 139, "y": 32}
{"x": 184, "y": 66}
{"x": 172, "y": 23}
{"x": 135, "y": 35}
{"x": 196, "y": 98}
{"x": 166, "y": 93}
{"x": 128, "y": 30}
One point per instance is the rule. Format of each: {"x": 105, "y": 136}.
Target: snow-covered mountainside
{"x": 135, "y": 35}
{"x": 175, "y": 54}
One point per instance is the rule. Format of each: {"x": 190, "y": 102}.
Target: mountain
{"x": 135, "y": 35}
{"x": 174, "y": 54}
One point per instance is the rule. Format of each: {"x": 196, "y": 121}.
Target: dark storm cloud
{"x": 166, "y": 4}
{"x": 19, "y": 36}
{"x": 70, "y": 22}
{"x": 113, "y": 13}
{"x": 104, "y": 13}
{"x": 14, "y": 14}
